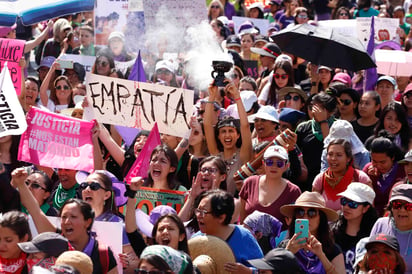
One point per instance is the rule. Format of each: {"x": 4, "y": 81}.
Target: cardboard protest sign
{"x": 342, "y": 26}
{"x": 139, "y": 105}
{"x": 148, "y": 198}
{"x": 57, "y": 141}
{"x": 11, "y": 50}
{"x": 385, "y": 29}
{"x": 251, "y": 67}
{"x": 12, "y": 118}
{"x": 141, "y": 165}
{"x": 261, "y": 24}
{"x": 86, "y": 61}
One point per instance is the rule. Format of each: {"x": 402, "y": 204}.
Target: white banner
{"x": 262, "y": 24}
{"x": 86, "y": 61}
{"x": 12, "y": 118}
{"x": 385, "y": 29}
{"x": 139, "y": 105}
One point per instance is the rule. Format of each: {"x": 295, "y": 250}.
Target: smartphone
{"x": 65, "y": 64}
{"x": 302, "y": 225}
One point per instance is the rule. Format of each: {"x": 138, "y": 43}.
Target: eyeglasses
{"x": 201, "y": 212}
{"x": 163, "y": 71}
{"x": 282, "y": 76}
{"x": 63, "y": 87}
{"x": 352, "y": 204}
{"x": 208, "y": 169}
{"x": 214, "y": 7}
{"x": 279, "y": 163}
{"x": 289, "y": 97}
{"x": 143, "y": 271}
{"x": 93, "y": 186}
{"x": 302, "y": 16}
{"x": 311, "y": 212}
{"x": 346, "y": 102}
{"x": 34, "y": 185}
{"x": 102, "y": 63}
{"x": 399, "y": 205}
{"x": 343, "y": 14}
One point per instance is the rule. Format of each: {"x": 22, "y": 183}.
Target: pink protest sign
{"x": 57, "y": 141}
{"x": 11, "y": 50}
{"x": 141, "y": 165}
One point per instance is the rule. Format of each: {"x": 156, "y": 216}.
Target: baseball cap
{"x": 47, "y": 61}
{"x": 359, "y": 192}
{"x": 248, "y": 99}
{"x": 343, "y": 78}
{"x": 402, "y": 192}
{"x": 278, "y": 260}
{"x": 387, "y": 78}
{"x": 408, "y": 88}
{"x": 51, "y": 243}
{"x": 276, "y": 151}
{"x": 165, "y": 65}
{"x": 407, "y": 159}
{"x": 291, "y": 116}
{"x": 146, "y": 222}
{"x": 324, "y": 67}
{"x": 385, "y": 239}
{"x": 5, "y": 30}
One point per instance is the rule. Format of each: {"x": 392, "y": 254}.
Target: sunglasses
{"x": 343, "y": 14}
{"x": 208, "y": 169}
{"x": 399, "y": 205}
{"x": 282, "y": 76}
{"x": 102, "y": 63}
{"x": 93, "y": 186}
{"x": 311, "y": 212}
{"x": 279, "y": 163}
{"x": 302, "y": 16}
{"x": 63, "y": 87}
{"x": 289, "y": 97}
{"x": 162, "y": 71}
{"x": 34, "y": 185}
{"x": 346, "y": 102}
{"x": 214, "y": 7}
{"x": 351, "y": 204}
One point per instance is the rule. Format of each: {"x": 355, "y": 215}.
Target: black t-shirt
{"x": 97, "y": 265}
{"x": 363, "y": 132}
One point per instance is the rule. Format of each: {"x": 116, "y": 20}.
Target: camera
{"x": 220, "y": 68}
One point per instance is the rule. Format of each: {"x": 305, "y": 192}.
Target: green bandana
{"x": 62, "y": 195}
{"x": 316, "y": 130}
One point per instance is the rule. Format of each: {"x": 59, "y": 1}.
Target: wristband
{"x": 323, "y": 121}
{"x": 210, "y": 102}
{"x": 130, "y": 193}
{"x": 237, "y": 99}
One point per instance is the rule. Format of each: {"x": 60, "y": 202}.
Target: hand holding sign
{"x": 136, "y": 183}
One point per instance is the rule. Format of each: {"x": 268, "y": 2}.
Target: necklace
{"x": 230, "y": 162}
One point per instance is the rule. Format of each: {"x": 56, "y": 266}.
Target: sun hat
{"x": 359, "y": 192}
{"x": 360, "y": 251}
{"x": 4, "y": 31}
{"x": 248, "y": 99}
{"x": 276, "y": 151}
{"x": 407, "y": 159}
{"x": 385, "y": 239}
{"x": 47, "y": 61}
{"x": 210, "y": 253}
{"x": 291, "y": 116}
{"x": 343, "y": 78}
{"x": 146, "y": 222}
{"x": 116, "y": 34}
{"x": 286, "y": 90}
{"x": 401, "y": 192}
{"x": 309, "y": 199}
{"x": 119, "y": 188}
{"x": 176, "y": 260}
{"x": 257, "y": 5}
{"x": 387, "y": 78}
{"x": 342, "y": 129}
{"x": 265, "y": 112}
{"x": 279, "y": 260}
{"x": 51, "y": 243}
{"x": 164, "y": 64}
{"x": 247, "y": 27}
{"x": 77, "y": 259}
{"x": 270, "y": 50}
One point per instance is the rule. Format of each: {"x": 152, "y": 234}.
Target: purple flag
{"x": 136, "y": 74}
{"x": 371, "y": 74}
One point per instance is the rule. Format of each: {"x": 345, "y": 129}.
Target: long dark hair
{"x": 183, "y": 246}
{"x": 288, "y": 68}
{"x": 404, "y": 132}
{"x": 172, "y": 157}
{"x": 109, "y": 204}
{"x": 53, "y": 95}
{"x": 221, "y": 166}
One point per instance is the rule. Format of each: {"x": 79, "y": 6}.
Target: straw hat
{"x": 210, "y": 253}
{"x": 310, "y": 199}
{"x": 79, "y": 260}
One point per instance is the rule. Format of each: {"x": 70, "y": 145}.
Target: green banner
{"x": 148, "y": 198}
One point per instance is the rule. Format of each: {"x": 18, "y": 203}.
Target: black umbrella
{"x": 324, "y": 46}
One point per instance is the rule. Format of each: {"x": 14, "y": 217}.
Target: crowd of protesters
{"x": 320, "y": 150}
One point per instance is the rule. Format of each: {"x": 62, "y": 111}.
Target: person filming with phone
{"x": 310, "y": 237}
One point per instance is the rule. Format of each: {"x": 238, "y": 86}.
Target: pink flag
{"x": 11, "y": 50}
{"x": 57, "y": 141}
{"x": 141, "y": 165}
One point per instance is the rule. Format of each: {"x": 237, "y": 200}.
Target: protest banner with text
{"x": 11, "y": 51}
{"x": 148, "y": 198}
{"x": 139, "y": 105}
{"x": 57, "y": 141}
{"x": 86, "y": 61}
{"x": 12, "y": 118}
